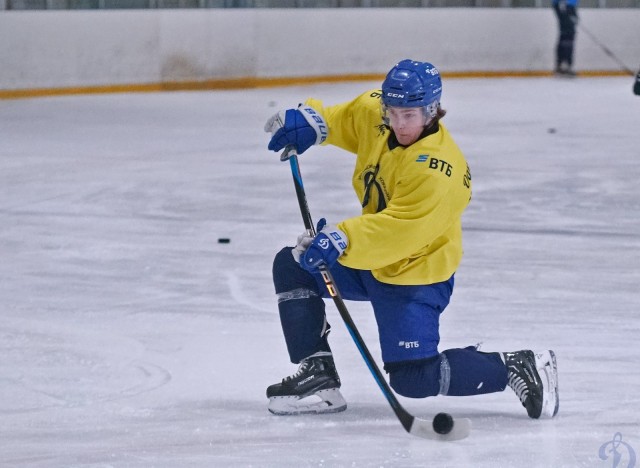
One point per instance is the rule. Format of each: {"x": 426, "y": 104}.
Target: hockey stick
{"x": 418, "y": 427}
{"x": 605, "y": 49}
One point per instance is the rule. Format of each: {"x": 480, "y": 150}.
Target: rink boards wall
{"x": 181, "y": 49}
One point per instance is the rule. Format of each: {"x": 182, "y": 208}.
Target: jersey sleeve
{"x": 348, "y": 122}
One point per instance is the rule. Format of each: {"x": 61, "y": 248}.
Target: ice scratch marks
{"x": 238, "y": 290}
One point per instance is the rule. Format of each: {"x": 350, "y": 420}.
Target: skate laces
{"x": 519, "y": 386}
{"x": 307, "y": 362}
{"x": 304, "y": 365}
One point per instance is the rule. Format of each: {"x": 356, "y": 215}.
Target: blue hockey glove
{"x": 325, "y": 248}
{"x": 304, "y": 241}
{"x": 301, "y": 128}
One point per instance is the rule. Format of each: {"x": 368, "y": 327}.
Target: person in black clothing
{"x": 566, "y": 11}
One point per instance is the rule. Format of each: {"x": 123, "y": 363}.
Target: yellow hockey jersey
{"x": 412, "y": 198}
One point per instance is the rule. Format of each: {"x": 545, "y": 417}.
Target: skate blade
{"x": 548, "y": 369}
{"x": 323, "y": 401}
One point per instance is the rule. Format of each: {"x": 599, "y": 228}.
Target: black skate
{"x": 564, "y": 70}
{"x": 313, "y": 389}
{"x": 538, "y": 393}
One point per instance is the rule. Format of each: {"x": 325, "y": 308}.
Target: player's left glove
{"x": 325, "y": 248}
{"x": 301, "y": 128}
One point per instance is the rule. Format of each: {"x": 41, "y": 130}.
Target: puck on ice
{"x": 551, "y": 130}
{"x": 442, "y": 423}
{"x": 224, "y": 240}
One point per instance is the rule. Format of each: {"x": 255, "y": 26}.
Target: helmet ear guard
{"x": 431, "y": 110}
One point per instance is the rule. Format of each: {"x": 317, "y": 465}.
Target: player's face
{"x": 407, "y": 123}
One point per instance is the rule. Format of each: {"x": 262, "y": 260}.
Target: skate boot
{"x": 313, "y": 389}
{"x": 525, "y": 381}
{"x": 564, "y": 70}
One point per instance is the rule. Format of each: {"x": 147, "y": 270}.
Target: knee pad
{"x": 301, "y": 308}
{"x": 415, "y": 379}
{"x": 288, "y": 275}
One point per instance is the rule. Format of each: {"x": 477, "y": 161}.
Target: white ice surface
{"x": 130, "y": 338}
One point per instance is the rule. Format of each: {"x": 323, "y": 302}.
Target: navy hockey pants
{"x": 408, "y": 328}
{"x": 567, "y": 22}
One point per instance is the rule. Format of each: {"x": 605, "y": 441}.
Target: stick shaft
{"x": 605, "y": 49}
{"x": 405, "y": 418}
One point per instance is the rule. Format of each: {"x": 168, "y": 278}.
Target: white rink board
{"x": 54, "y": 49}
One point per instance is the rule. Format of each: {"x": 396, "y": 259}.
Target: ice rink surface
{"x": 131, "y": 338}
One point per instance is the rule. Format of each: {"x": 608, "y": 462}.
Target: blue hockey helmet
{"x": 413, "y": 84}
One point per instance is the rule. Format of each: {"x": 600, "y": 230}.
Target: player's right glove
{"x": 305, "y": 239}
{"x": 301, "y": 128}
{"x": 325, "y": 248}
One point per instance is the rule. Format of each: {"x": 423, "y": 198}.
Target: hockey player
{"x": 400, "y": 254}
{"x": 567, "y": 14}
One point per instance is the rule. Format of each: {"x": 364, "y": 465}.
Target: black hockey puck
{"x": 224, "y": 240}
{"x": 442, "y": 423}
